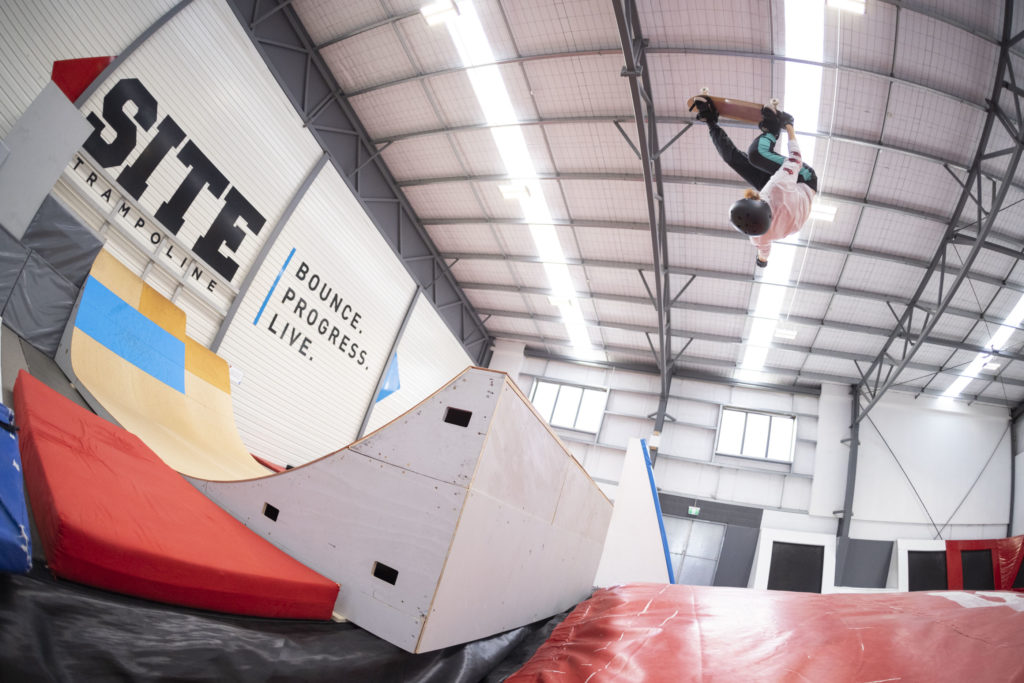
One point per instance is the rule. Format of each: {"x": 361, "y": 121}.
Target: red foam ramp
{"x": 73, "y": 76}
{"x": 111, "y": 514}
{"x": 675, "y": 633}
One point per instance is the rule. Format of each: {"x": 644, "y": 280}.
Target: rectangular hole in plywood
{"x": 385, "y": 573}
{"x": 270, "y": 512}
{"x": 457, "y": 417}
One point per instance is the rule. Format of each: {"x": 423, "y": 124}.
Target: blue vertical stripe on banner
{"x": 274, "y": 286}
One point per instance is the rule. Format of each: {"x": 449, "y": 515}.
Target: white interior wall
{"x": 943, "y": 450}
{"x": 1018, "y": 497}
{"x": 428, "y": 356}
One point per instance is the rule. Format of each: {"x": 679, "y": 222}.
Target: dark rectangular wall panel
{"x": 737, "y": 556}
{"x": 977, "y": 565}
{"x": 926, "y": 570}
{"x": 867, "y": 563}
{"x": 796, "y": 567}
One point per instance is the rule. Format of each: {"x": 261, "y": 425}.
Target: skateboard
{"x": 730, "y": 108}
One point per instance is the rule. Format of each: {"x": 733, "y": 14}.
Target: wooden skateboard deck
{"x": 731, "y": 108}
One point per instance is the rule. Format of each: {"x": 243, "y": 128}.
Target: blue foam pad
{"x": 15, "y": 539}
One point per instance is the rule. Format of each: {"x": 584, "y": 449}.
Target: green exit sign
{"x": 693, "y": 510}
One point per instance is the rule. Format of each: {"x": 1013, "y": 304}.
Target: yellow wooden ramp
{"x": 128, "y": 352}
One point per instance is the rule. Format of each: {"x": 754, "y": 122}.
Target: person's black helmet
{"x": 752, "y": 217}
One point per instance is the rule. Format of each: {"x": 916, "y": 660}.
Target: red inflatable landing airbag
{"x": 673, "y": 633}
{"x": 111, "y": 514}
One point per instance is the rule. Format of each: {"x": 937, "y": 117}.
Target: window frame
{"x": 767, "y": 445}
{"x": 584, "y": 388}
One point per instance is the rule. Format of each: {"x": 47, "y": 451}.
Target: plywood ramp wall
{"x": 461, "y": 518}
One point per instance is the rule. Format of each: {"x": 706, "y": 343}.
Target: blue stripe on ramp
{"x": 115, "y": 324}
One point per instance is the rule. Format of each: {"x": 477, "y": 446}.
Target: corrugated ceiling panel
{"x": 534, "y": 275}
{"x": 723, "y": 252}
{"x": 1011, "y": 394}
{"x": 729, "y": 293}
{"x": 839, "y": 232}
{"x": 849, "y": 342}
{"x": 616, "y": 281}
{"x": 1003, "y": 304}
{"x": 722, "y": 324}
{"x": 476, "y": 238}
{"x": 971, "y": 295}
{"x": 613, "y": 200}
{"x": 858, "y": 106}
{"x": 325, "y": 19}
{"x": 501, "y": 325}
{"x": 806, "y": 304}
{"x": 865, "y": 41}
{"x": 546, "y": 26}
{"x": 874, "y": 275}
{"x": 429, "y": 156}
{"x": 858, "y": 311}
{"x": 700, "y": 348}
{"x": 518, "y": 240}
{"x": 915, "y": 184}
{"x": 612, "y": 312}
{"x": 694, "y": 152}
{"x": 830, "y": 366}
{"x": 369, "y": 58}
{"x": 815, "y": 266}
{"x": 926, "y": 122}
{"x": 723, "y": 25}
{"x": 458, "y": 103}
{"x": 677, "y": 77}
{"x": 952, "y": 327}
{"x": 485, "y": 272}
{"x": 785, "y": 358}
{"x": 580, "y": 86}
{"x": 987, "y": 262}
{"x": 431, "y": 46}
{"x": 593, "y": 147}
{"x": 900, "y": 234}
{"x": 403, "y": 108}
{"x": 1010, "y": 221}
{"x": 497, "y": 206}
{"x": 944, "y": 57}
{"x": 843, "y": 169}
{"x": 633, "y": 246}
{"x": 626, "y": 338}
{"x": 444, "y": 200}
{"x": 480, "y": 151}
{"x": 484, "y": 299}
{"x": 702, "y": 205}
{"x": 986, "y": 17}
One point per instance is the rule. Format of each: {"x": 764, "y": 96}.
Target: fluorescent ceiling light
{"x": 785, "y": 333}
{"x": 991, "y": 367}
{"x": 517, "y": 191}
{"x": 439, "y": 12}
{"x": 852, "y": 6}
{"x": 823, "y": 212}
{"x": 492, "y": 96}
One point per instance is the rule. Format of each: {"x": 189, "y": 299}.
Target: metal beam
{"x": 771, "y": 58}
{"x": 797, "y": 375}
{"x": 634, "y": 47}
{"x": 895, "y": 355}
{"x": 730, "y": 340}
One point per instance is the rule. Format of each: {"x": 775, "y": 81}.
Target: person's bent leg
{"x": 736, "y": 159}
{"x": 762, "y": 153}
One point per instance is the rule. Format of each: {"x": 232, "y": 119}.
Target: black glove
{"x": 706, "y": 111}
{"x": 759, "y": 262}
{"x": 769, "y": 121}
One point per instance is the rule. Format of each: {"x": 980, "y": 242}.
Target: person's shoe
{"x": 785, "y": 119}
{"x": 759, "y": 263}
{"x": 706, "y": 111}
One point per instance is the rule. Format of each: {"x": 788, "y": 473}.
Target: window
{"x": 569, "y": 406}
{"x": 764, "y": 436}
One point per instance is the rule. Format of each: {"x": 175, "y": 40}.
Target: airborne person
{"x": 787, "y": 184}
